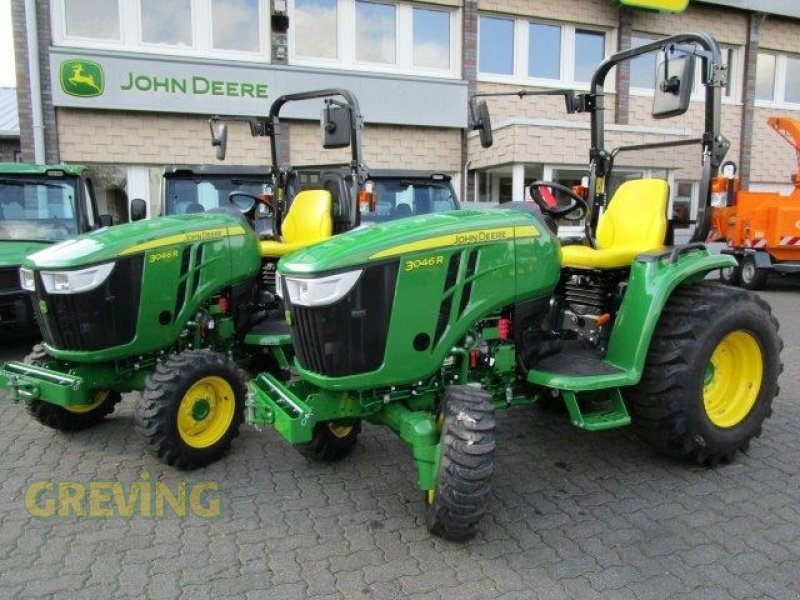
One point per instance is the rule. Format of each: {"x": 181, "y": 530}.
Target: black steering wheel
{"x": 249, "y": 203}
{"x": 543, "y": 195}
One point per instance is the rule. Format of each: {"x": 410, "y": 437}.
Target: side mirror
{"x": 674, "y": 80}
{"x": 219, "y": 137}
{"x": 335, "y": 123}
{"x": 483, "y": 123}
{"x": 105, "y": 220}
{"x": 138, "y": 209}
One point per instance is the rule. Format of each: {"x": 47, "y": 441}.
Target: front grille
{"x": 348, "y": 336}
{"x": 268, "y": 271}
{"x": 9, "y": 280}
{"x": 101, "y": 318}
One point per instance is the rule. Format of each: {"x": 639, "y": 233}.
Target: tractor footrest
{"x": 616, "y": 416}
{"x": 272, "y": 403}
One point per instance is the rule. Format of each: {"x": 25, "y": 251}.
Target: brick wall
{"x": 728, "y": 25}
{"x": 8, "y": 150}
{"x": 149, "y": 138}
{"x": 589, "y": 12}
{"x": 780, "y": 34}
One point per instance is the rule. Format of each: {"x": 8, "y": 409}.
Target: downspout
{"x": 37, "y": 115}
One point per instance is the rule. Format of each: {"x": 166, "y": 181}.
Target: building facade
{"x": 10, "y": 150}
{"x": 127, "y": 85}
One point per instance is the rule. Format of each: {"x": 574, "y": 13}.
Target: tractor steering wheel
{"x": 249, "y": 203}
{"x": 551, "y": 204}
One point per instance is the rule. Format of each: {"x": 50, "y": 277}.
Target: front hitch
{"x": 22, "y": 390}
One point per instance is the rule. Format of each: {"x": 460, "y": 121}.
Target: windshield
{"x": 32, "y": 209}
{"x": 398, "y": 199}
{"x": 195, "y": 195}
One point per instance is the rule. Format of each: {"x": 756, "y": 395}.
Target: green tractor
{"x": 178, "y": 307}
{"x": 428, "y": 326}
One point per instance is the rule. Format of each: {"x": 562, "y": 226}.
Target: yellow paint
{"x": 674, "y": 6}
{"x": 218, "y": 399}
{"x": 186, "y": 238}
{"x": 466, "y": 238}
{"x": 97, "y": 399}
{"x": 733, "y": 379}
{"x": 431, "y": 261}
{"x": 340, "y": 430}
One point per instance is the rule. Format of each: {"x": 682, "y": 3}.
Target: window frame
{"x": 521, "y": 49}
{"x": 404, "y": 41}
{"x": 131, "y": 38}
{"x": 779, "y": 82}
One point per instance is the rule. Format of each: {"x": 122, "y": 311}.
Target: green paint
{"x": 82, "y": 78}
{"x": 200, "y": 409}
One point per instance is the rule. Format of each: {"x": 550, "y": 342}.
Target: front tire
{"x": 751, "y": 277}
{"x": 332, "y": 441}
{"x": 191, "y": 408}
{"x": 711, "y": 374}
{"x": 730, "y": 275}
{"x": 454, "y": 508}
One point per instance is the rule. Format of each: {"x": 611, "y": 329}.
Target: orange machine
{"x": 762, "y": 229}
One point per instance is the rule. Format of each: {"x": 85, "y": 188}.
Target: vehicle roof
{"x": 11, "y": 168}
{"x": 220, "y": 170}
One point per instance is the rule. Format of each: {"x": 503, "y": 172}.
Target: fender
{"x": 653, "y": 279}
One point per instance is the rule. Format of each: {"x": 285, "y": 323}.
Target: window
{"x": 681, "y": 215}
{"x": 544, "y": 51}
{"x": 497, "y": 45}
{"x": 379, "y": 36}
{"x": 643, "y": 68}
{"x": 375, "y": 32}
{"x": 778, "y": 78}
{"x": 532, "y": 52}
{"x": 213, "y": 28}
{"x": 95, "y": 19}
{"x": 316, "y": 25}
{"x": 31, "y": 210}
{"x": 235, "y": 25}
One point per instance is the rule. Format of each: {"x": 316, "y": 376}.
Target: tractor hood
{"x": 425, "y": 232}
{"x": 131, "y": 238}
{"x": 13, "y": 253}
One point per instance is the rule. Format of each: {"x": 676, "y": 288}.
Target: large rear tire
{"x": 454, "y": 508}
{"x": 333, "y": 440}
{"x": 74, "y": 418}
{"x": 191, "y": 408}
{"x": 711, "y": 374}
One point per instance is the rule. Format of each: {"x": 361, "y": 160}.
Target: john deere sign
{"x": 117, "y": 81}
{"x": 81, "y": 78}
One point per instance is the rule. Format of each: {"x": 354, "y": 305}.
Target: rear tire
{"x": 750, "y": 276}
{"x": 466, "y": 465}
{"x": 76, "y": 418}
{"x": 332, "y": 441}
{"x": 191, "y": 408}
{"x": 711, "y": 374}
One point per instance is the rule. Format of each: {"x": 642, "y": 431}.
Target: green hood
{"x": 425, "y": 232}
{"x": 13, "y": 253}
{"x": 131, "y": 238}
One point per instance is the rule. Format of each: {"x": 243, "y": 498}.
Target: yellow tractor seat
{"x": 308, "y": 221}
{"x": 634, "y": 222}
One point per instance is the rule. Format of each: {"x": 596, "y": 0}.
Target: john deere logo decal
{"x": 42, "y": 307}
{"x": 82, "y": 78}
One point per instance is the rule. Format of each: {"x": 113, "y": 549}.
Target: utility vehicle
{"x": 39, "y": 205}
{"x": 178, "y": 306}
{"x": 430, "y": 325}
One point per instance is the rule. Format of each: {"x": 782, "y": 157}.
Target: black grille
{"x": 268, "y": 270}
{"x": 101, "y": 318}
{"x": 349, "y": 336}
{"x": 9, "y": 280}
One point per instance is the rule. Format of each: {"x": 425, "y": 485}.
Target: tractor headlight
{"x": 26, "y": 279}
{"x": 279, "y": 285}
{"x": 321, "y": 291}
{"x": 74, "y": 282}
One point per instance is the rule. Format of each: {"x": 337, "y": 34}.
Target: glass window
{"x": 96, "y": 19}
{"x": 792, "y": 90}
{"x": 544, "y": 51}
{"x": 235, "y": 25}
{"x": 396, "y": 200}
{"x": 167, "y": 22}
{"x": 496, "y": 46}
{"x": 643, "y": 68}
{"x": 590, "y": 49}
{"x": 765, "y": 76}
{"x": 315, "y": 28}
{"x": 30, "y": 210}
{"x": 431, "y": 38}
{"x": 375, "y": 32}
{"x": 682, "y": 204}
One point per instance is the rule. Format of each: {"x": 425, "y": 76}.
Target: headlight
{"x": 26, "y": 279}
{"x": 321, "y": 291}
{"x": 74, "y": 282}
{"x": 279, "y": 285}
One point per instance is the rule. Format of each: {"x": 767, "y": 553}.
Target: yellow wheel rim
{"x": 340, "y": 430}
{"x": 733, "y": 379}
{"x": 97, "y": 399}
{"x": 206, "y": 412}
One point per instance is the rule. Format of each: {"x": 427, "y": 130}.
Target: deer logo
{"x": 82, "y": 78}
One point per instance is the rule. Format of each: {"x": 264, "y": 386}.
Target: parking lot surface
{"x": 573, "y": 515}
